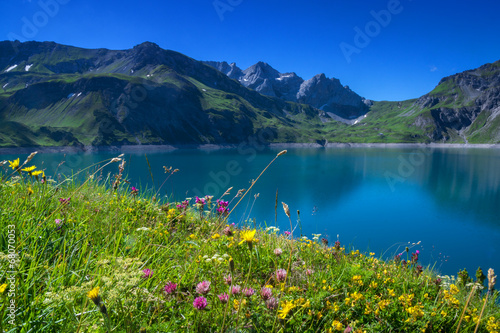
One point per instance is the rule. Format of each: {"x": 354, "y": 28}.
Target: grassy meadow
{"x": 92, "y": 253}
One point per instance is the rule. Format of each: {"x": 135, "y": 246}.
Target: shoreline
{"x": 208, "y": 147}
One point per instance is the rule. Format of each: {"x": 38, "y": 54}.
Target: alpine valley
{"x": 58, "y": 95}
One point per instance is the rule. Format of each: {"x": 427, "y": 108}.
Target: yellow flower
{"x": 247, "y": 236}
{"x": 215, "y": 236}
{"x": 337, "y": 325}
{"x": 30, "y": 190}
{"x": 192, "y": 236}
{"x": 29, "y": 170}
{"x": 14, "y": 164}
{"x": 285, "y": 309}
{"x": 94, "y": 295}
{"x": 3, "y": 287}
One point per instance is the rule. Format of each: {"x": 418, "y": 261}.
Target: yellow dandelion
{"x": 285, "y": 309}
{"x": 29, "y": 170}
{"x": 14, "y": 164}
{"x": 215, "y": 236}
{"x": 3, "y": 287}
{"x": 94, "y": 295}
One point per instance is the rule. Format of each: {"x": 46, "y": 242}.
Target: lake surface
{"x": 373, "y": 199}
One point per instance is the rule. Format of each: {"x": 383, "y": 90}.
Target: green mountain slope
{"x": 52, "y": 95}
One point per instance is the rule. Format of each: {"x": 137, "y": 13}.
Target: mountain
{"x": 319, "y": 92}
{"x": 53, "y": 95}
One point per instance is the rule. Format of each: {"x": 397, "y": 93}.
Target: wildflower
{"x": 272, "y": 303}
{"x": 134, "y": 191}
{"x": 94, "y": 296}
{"x": 324, "y": 241}
{"x": 147, "y": 273}
{"x": 337, "y": 325}
{"x": 222, "y": 207}
{"x": 183, "y": 205}
{"x": 348, "y": 329}
{"x": 228, "y": 279}
{"x": 29, "y": 170}
{"x": 215, "y": 236}
{"x": 64, "y": 201}
{"x": 224, "y": 298}
{"x": 248, "y": 292}
{"x": 30, "y": 191}
{"x": 227, "y": 231}
{"x": 280, "y": 275}
{"x": 200, "y": 202}
{"x": 309, "y": 272}
{"x": 248, "y": 236}
{"x": 3, "y": 287}
{"x": 200, "y": 303}
{"x": 278, "y": 251}
{"x": 288, "y": 233}
{"x": 235, "y": 290}
{"x": 14, "y": 165}
{"x": 237, "y": 304}
{"x": 58, "y": 221}
{"x": 37, "y": 173}
{"x": 285, "y": 309}
{"x": 170, "y": 288}
{"x": 203, "y": 287}
{"x": 266, "y": 293}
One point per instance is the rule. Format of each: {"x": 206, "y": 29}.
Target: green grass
{"x": 107, "y": 235}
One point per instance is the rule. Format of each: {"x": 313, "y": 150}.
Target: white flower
{"x": 142, "y": 229}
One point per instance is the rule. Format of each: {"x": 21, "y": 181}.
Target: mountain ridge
{"x": 53, "y": 94}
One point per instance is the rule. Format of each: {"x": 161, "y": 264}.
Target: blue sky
{"x": 382, "y": 49}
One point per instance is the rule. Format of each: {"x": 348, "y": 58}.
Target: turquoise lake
{"x": 372, "y": 199}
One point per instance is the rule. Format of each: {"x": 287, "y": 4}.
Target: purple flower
{"x": 228, "y": 279}
{"x": 147, "y": 273}
{"x": 223, "y": 297}
{"x": 170, "y": 288}
{"x": 348, "y": 329}
{"x": 200, "y": 201}
{"x": 287, "y": 233}
{"x": 200, "y": 303}
{"x": 266, "y": 293}
{"x": 134, "y": 191}
{"x": 309, "y": 272}
{"x": 58, "y": 221}
{"x": 222, "y": 207}
{"x": 203, "y": 287}
{"x": 227, "y": 231}
{"x": 235, "y": 290}
{"x": 272, "y": 303}
{"x": 64, "y": 201}
{"x": 324, "y": 241}
{"x": 248, "y": 292}
{"x": 280, "y": 275}
{"x": 278, "y": 251}
{"x": 183, "y": 205}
